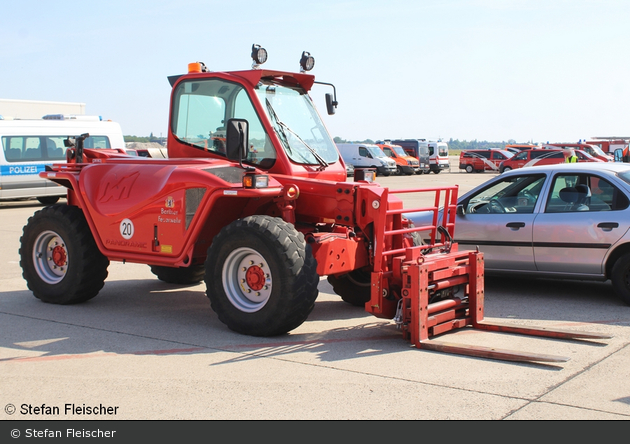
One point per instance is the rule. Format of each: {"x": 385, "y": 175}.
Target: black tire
{"x": 436, "y": 171}
{"x": 354, "y": 287}
{"x": 48, "y": 200}
{"x": 399, "y": 170}
{"x": 267, "y": 256}
{"x": 469, "y": 168}
{"x": 620, "y": 277}
{"x": 59, "y": 258}
{"x": 506, "y": 169}
{"x": 183, "y": 275}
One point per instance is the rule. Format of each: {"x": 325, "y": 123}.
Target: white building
{"x": 36, "y": 109}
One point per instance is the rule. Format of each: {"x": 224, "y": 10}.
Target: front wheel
{"x": 261, "y": 276}
{"x": 506, "y": 169}
{"x": 469, "y": 168}
{"x": 353, "y": 287}
{"x": 620, "y": 277}
{"x": 59, "y": 257}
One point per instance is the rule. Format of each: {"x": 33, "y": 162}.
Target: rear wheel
{"x": 184, "y": 275}
{"x": 506, "y": 169}
{"x": 469, "y": 168}
{"x": 59, "y": 258}
{"x": 261, "y": 276}
{"x": 620, "y": 277}
{"x": 48, "y": 200}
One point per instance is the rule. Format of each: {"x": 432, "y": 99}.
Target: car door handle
{"x": 607, "y": 226}
{"x": 515, "y": 225}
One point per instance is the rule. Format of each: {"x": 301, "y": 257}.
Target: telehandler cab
{"x": 254, "y": 199}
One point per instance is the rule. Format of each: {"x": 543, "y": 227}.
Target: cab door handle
{"x": 515, "y": 225}
{"x": 607, "y": 226}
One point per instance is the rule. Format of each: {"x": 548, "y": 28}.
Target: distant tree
{"x": 136, "y": 139}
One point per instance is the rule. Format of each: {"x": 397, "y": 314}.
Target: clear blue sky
{"x": 528, "y": 70}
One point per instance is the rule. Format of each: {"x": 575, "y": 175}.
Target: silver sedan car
{"x": 566, "y": 221}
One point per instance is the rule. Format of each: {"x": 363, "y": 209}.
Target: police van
{"x": 28, "y": 145}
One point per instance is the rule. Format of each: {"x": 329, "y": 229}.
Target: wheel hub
{"x": 255, "y": 277}
{"x": 50, "y": 257}
{"x": 58, "y": 256}
{"x": 247, "y": 279}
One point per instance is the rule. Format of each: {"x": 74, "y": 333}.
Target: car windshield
{"x": 297, "y": 124}
{"x": 598, "y": 151}
{"x": 375, "y": 151}
{"x": 625, "y": 176}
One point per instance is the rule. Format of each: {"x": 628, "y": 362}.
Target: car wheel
{"x": 469, "y": 168}
{"x": 620, "y": 277}
{"x": 506, "y": 169}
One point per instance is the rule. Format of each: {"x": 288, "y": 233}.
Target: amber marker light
{"x": 255, "y": 181}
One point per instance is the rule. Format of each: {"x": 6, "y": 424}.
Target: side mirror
{"x": 331, "y": 104}
{"x": 236, "y": 139}
{"x": 460, "y": 211}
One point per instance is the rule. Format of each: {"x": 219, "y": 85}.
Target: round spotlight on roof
{"x": 259, "y": 55}
{"x": 307, "y": 62}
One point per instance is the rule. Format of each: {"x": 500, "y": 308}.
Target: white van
{"x": 28, "y": 145}
{"x": 365, "y": 155}
{"x": 438, "y": 156}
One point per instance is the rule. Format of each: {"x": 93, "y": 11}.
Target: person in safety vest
{"x": 570, "y": 157}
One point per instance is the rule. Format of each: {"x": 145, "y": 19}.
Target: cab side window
{"x": 202, "y": 108}
{"x": 584, "y": 193}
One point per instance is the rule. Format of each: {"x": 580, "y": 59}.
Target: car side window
{"x": 516, "y": 194}
{"x": 584, "y": 192}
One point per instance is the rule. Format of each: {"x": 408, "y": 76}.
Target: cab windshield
{"x": 297, "y": 124}
{"x": 398, "y": 150}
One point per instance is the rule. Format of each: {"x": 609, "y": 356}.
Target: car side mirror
{"x": 460, "y": 211}
{"x": 236, "y": 139}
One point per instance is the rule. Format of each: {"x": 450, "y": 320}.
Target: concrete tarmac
{"x": 146, "y": 350}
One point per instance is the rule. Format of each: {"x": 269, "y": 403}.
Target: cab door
{"x": 575, "y": 237}
{"x": 499, "y": 219}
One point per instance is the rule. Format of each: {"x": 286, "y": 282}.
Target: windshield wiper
{"x": 283, "y": 126}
